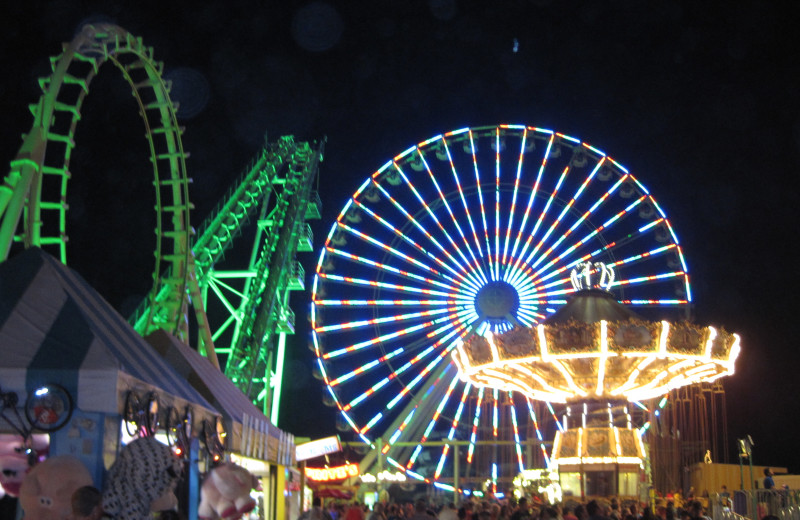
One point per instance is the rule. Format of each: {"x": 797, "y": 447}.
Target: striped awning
{"x": 55, "y": 328}
{"x": 253, "y": 435}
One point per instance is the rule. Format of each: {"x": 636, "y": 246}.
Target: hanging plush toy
{"x": 141, "y": 480}
{"x": 15, "y": 459}
{"x": 226, "y": 493}
{"x": 46, "y": 491}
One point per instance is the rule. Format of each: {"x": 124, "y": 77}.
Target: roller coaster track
{"x": 33, "y": 197}
{"x": 274, "y": 191}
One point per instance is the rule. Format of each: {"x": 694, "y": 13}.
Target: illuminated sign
{"x": 254, "y": 466}
{"x": 590, "y": 275}
{"x": 309, "y": 450}
{"x": 335, "y": 473}
{"x": 384, "y": 476}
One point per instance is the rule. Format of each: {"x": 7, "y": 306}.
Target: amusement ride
{"x": 492, "y": 288}
{"x": 491, "y": 300}
{"x": 235, "y": 308}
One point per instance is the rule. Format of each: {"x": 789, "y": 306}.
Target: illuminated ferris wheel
{"x": 473, "y": 230}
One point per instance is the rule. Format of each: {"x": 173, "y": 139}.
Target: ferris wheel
{"x": 473, "y": 230}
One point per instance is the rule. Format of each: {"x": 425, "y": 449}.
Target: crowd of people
{"x": 521, "y": 509}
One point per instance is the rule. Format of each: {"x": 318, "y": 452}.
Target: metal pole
{"x": 752, "y": 482}
{"x": 456, "y": 494}
{"x": 741, "y": 472}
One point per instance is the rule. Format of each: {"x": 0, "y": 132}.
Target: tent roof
{"x": 212, "y": 384}
{"x": 55, "y": 328}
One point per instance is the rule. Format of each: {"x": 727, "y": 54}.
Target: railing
{"x": 757, "y": 504}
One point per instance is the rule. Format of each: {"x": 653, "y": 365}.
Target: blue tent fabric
{"x": 55, "y": 328}
{"x": 212, "y": 384}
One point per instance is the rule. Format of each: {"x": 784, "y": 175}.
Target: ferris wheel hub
{"x": 496, "y": 300}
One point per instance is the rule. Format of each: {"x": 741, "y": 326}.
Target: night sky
{"x": 700, "y": 102}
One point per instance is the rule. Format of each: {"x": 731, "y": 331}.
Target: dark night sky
{"x": 699, "y": 102}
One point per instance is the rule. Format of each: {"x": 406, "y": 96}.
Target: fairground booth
{"x": 244, "y": 434}
{"x": 77, "y": 376}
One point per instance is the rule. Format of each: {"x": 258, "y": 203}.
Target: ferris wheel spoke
{"x": 606, "y": 248}
{"x": 386, "y": 380}
{"x": 513, "y": 210}
{"x": 390, "y": 336}
{"x": 433, "y": 421}
{"x": 408, "y": 388}
{"x": 532, "y": 198}
{"x": 575, "y": 225}
{"x": 461, "y": 195}
{"x": 513, "y": 409}
{"x": 443, "y": 200}
{"x": 453, "y": 266}
{"x": 387, "y": 319}
{"x": 380, "y": 303}
{"x": 521, "y": 259}
{"x": 453, "y": 427}
{"x": 538, "y": 432}
{"x": 349, "y": 280}
{"x": 476, "y": 169}
{"x": 363, "y": 369}
{"x": 560, "y": 218}
{"x": 383, "y": 267}
{"x": 374, "y": 363}
{"x": 475, "y": 423}
{"x": 497, "y": 233}
{"x": 423, "y": 203}
{"x": 399, "y": 254}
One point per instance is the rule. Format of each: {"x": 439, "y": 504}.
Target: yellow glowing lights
{"x": 611, "y": 445}
{"x": 563, "y": 361}
{"x": 334, "y": 473}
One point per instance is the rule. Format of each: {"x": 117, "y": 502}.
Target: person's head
{"x": 523, "y": 504}
{"x": 87, "y": 503}
{"x": 592, "y": 507}
{"x": 767, "y": 472}
{"x": 420, "y": 506}
{"x": 549, "y": 513}
{"x": 580, "y": 512}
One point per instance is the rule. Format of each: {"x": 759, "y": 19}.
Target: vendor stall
{"x": 599, "y": 462}
{"x": 247, "y": 436}
{"x": 71, "y": 365}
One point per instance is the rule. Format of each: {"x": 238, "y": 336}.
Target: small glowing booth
{"x": 599, "y": 461}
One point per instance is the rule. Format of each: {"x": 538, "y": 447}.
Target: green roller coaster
{"x": 251, "y": 313}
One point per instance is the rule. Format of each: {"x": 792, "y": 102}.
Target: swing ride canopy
{"x": 593, "y": 347}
